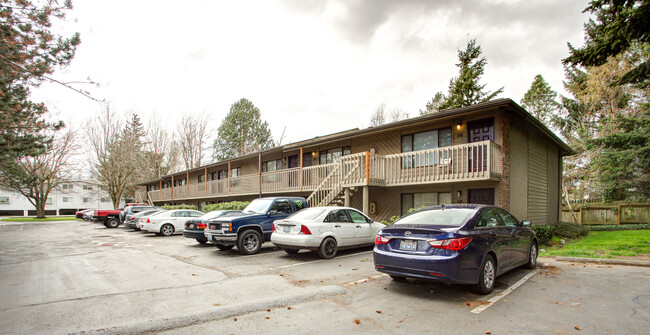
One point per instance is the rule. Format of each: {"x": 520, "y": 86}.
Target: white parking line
{"x": 364, "y": 280}
{"x": 320, "y": 260}
{"x": 507, "y": 291}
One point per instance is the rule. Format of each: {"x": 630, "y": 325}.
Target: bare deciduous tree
{"x": 192, "y": 137}
{"x": 161, "y": 152}
{"x": 36, "y": 176}
{"x": 378, "y": 117}
{"x": 112, "y": 160}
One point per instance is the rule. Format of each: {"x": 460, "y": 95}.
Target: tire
{"x": 112, "y": 223}
{"x": 532, "y": 256}
{"x": 327, "y": 248}
{"x": 202, "y": 241}
{"x": 398, "y": 278}
{"x": 166, "y": 230}
{"x": 291, "y": 251}
{"x": 137, "y": 229}
{"x": 224, "y": 247}
{"x": 249, "y": 242}
{"x": 486, "y": 277}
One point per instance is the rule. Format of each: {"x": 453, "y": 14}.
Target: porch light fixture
{"x": 459, "y": 125}
{"x": 458, "y": 194}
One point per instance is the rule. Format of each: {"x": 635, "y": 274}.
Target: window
{"x": 338, "y": 215}
{"x": 489, "y": 219}
{"x": 282, "y": 206}
{"x": 66, "y": 186}
{"x": 333, "y": 155}
{"x": 508, "y": 219}
{"x": 201, "y": 178}
{"x": 273, "y": 165}
{"x": 236, "y": 172}
{"x": 48, "y": 201}
{"x": 86, "y": 200}
{"x": 358, "y": 217}
{"x": 4, "y": 200}
{"x": 424, "y": 141}
{"x": 87, "y": 187}
{"x": 417, "y": 200}
{"x": 105, "y": 200}
{"x": 67, "y": 199}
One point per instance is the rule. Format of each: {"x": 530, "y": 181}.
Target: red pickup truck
{"x": 109, "y": 217}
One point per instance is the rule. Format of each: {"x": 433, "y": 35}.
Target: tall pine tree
{"x": 539, "y": 100}
{"x": 242, "y": 132}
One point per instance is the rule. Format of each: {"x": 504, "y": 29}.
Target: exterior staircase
{"x": 331, "y": 189}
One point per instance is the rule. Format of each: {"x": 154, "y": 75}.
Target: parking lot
{"x": 80, "y": 277}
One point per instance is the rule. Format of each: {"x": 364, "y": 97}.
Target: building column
{"x": 346, "y": 195}
{"x": 366, "y": 201}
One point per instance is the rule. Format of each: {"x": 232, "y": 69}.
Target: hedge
{"x": 169, "y": 207}
{"x": 564, "y": 230}
{"x": 233, "y": 205}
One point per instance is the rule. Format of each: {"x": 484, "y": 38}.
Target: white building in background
{"x": 64, "y": 200}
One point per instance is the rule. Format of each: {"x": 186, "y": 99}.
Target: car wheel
{"x": 486, "y": 277}
{"x": 291, "y": 251}
{"x": 112, "y": 223}
{"x": 202, "y": 241}
{"x": 327, "y": 248}
{"x": 137, "y": 229}
{"x": 532, "y": 256}
{"x": 249, "y": 242}
{"x": 166, "y": 230}
{"x": 224, "y": 247}
{"x": 398, "y": 278}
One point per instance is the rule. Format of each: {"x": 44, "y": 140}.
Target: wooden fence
{"x": 621, "y": 214}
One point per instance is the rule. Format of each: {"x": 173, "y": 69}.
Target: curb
{"x": 153, "y": 326}
{"x": 629, "y": 262}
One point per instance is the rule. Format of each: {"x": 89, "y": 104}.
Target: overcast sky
{"x": 316, "y": 67}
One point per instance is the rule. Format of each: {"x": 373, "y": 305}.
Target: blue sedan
{"x": 462, "y": 244}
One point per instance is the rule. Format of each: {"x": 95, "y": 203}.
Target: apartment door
{"x": 293, "y": 176}
{"x": 306, "y": 175}
{"x": 482, "y": 130}
{"x": 481, "y": 196}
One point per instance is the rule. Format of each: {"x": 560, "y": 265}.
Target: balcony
{"x": 466, "y": 162}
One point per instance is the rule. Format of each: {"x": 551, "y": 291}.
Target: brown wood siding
{"x": 249, "y": 166}
{"x": 386, "y": 199}
{"x": 385, "y": 143}
{"x": 519, "y": 173}
{"x": 537, "y": 179}
{"x": 553, "y": 184}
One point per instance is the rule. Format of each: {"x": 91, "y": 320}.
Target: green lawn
{"x": 32, "y": 219}
{"x": 605, "y": 244}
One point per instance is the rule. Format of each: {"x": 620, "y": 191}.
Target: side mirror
{"x": 273, "y": 212}
{"x": 525, "y": 223}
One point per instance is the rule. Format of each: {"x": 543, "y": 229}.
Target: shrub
{"x": 569, "y": 230}
{"x": 233, "y": 205}
{"x": 544, "y": 233}
{"x": 640, "y": 226}
{"x": 170, "y": 207}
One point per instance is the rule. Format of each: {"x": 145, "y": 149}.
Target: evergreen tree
{"x": 433, "y": 106}
{"x": 465, "y": 89}
{"x": 28, "y": 51}
{"x": 540, "y": 100}
{"x": 242, "y": 132}
{"x": 619, "y": 26}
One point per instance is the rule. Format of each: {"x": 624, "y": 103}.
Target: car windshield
{"x": 450, "y": 217}
{"x": 306, "y": 214}
{"x": 258, "y": 206}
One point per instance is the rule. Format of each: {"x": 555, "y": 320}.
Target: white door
{"x": 342, "y": 226}
{"x": 364, "y": 232}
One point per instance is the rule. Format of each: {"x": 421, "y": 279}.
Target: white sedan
{"x": 168, "y": 222}
{"x": 324, "y": 229}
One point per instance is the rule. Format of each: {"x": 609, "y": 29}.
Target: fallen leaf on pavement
{"x": 576, "y": 327}
{"x": 378, "y": 311}
{"x": 357, "y": 321}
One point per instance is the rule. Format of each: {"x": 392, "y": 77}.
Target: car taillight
{"x": 148, "y": 221}
{"x": 304, "y": 230}
{"x": 451, "y": 243}
{"x": 274, "y": 227}
{"x": 381, "y": 239}
{"x": 201, "y": 225}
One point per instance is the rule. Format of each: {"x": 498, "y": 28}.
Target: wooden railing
{"x": 472, "y": 161}
{"x": 466, "y": 162}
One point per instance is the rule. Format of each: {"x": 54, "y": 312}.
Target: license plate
{"x": 286, "y": 229}
{"x": 408, "y": 245}
{"x": 191, "y": 226}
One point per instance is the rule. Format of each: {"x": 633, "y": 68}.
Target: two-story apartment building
{"x": 493, "y": 152}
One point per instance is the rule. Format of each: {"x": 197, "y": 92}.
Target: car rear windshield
{"x": 306, "y": 214}
{"x": 451, "y": 217}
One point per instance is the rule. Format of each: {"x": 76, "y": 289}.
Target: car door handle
{"x": 358, "y": 226}
{"x": 337, "y": 226}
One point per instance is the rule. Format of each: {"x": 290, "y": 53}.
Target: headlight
{"x": 226, "y": 226}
